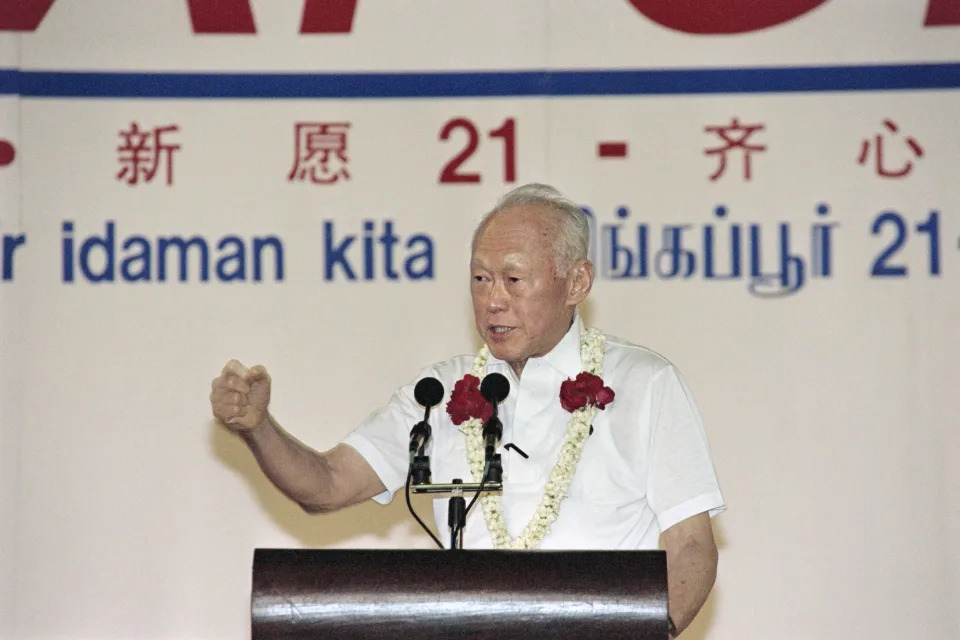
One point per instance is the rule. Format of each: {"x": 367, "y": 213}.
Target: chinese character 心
{"x": 882, "y": 171}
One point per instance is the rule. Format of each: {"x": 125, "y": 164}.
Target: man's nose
{"x": 497, "y": 300}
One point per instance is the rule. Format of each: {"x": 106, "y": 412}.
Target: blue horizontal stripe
{"x": 74, "y": 84}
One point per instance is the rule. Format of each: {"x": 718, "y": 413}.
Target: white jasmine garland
{"x": 592, "y": 344}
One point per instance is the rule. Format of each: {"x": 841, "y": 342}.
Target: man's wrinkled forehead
{"x": 513, "y": 260}
{"x": 530, "y": 217}
{"x": 518, "y": 225}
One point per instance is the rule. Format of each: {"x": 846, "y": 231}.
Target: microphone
{"x": 495, "y": 387}
{"x": 429, "y": 393}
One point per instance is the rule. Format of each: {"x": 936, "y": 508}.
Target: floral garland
{"x": 578, "y": 428}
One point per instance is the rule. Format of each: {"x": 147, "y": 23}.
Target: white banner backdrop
{"x": 12, "y": 299}
{"x": 794, "y": 252}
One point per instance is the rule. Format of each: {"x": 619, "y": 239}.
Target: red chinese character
{"x": 7, "y": 152}
{"x": 321, "y": 152}
{"x": 734, "y": 136}
{"x": 882, "y": 171}
{"x": 143, "y": 151}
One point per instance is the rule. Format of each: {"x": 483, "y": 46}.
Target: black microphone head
{"x": 495, "y": 387}
{"x": 428, "y": 392}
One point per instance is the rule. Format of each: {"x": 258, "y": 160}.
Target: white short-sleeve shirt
{"x": 646, "y": 467}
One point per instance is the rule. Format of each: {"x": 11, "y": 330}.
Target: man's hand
{"x": 240, "y": 396}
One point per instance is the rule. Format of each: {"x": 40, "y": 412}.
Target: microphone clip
{"x": 420, "y": 470}
{"x": 492, "y": 433}
{"x": 419, "y": 435}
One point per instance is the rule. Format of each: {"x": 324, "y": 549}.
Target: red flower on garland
{"x": 467, "y": 402}
{"x": 586, "y": 389}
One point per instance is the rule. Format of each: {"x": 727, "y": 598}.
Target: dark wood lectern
{"x": 426, "y": 595}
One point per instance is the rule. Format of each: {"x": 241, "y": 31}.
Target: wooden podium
{"x": 427, "y": 595}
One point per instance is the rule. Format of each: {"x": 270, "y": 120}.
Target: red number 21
{"x": 507, "y": 131}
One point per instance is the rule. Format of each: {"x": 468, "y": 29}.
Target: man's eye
{"x": 513, "y": 279}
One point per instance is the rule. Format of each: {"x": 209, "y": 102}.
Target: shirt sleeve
{"x": 383, "y": 439}
{"x": 681, "y": 478}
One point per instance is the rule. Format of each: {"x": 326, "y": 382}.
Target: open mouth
{"x": 499, "y": 332}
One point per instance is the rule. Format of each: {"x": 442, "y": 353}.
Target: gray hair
{"x": 574, "y": 233}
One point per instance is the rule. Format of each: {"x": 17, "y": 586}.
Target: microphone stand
{"x": 456, "y": 516}
{"x": 492, "y": 482}
{"x": 494, "y": 389}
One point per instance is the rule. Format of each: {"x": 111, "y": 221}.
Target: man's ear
{"x": 580, "y": 281}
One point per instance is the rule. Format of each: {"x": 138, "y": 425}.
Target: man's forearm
{"x": 691, "y": 572}
{"x": 298, "y": 471}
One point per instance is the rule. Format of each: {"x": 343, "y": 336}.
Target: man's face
{"x": 521, "y": 308}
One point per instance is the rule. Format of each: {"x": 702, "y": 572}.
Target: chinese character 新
{"x": 143, "y": 151}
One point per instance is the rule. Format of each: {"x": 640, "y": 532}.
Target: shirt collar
{"x": 565, "y": 356}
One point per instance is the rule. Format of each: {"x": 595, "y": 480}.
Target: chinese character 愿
{"x": 321, "y": 152}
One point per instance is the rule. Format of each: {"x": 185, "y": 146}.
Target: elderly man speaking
{"x": 615, "y": 450}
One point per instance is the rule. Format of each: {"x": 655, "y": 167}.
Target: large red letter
{"x": 23, "y": 15}
{"x": 221, "y": 16}
{"x": 943, "y": 13}
{"x": 724, "y": 16}
{"x": 328, "y": 16}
